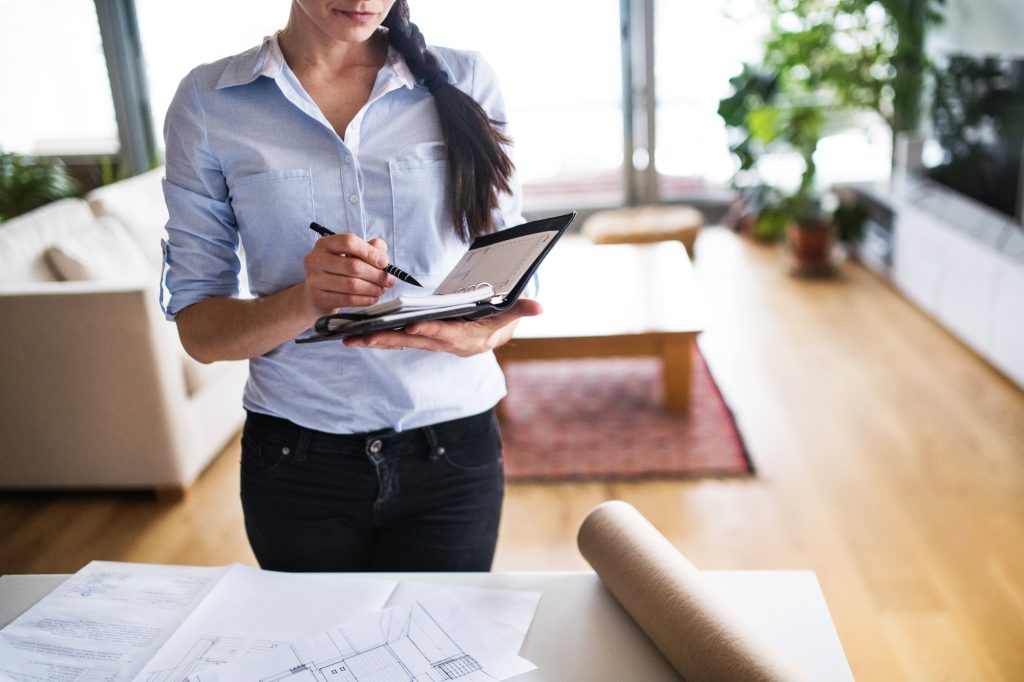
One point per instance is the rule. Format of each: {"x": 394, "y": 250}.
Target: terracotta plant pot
{"x": 811, "y": 245}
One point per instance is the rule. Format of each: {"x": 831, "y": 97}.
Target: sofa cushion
{"x": 138, "y": 204}
{"x": 24, "y": 239}
{"x": 101, "y": 253}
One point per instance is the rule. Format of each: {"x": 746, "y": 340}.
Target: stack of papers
{"x": 153, "y": 623}
{"x": 425, "y": 301}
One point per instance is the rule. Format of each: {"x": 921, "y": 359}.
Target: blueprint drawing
{"x": 406, "y": 643}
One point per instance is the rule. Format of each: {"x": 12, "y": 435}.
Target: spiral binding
{"x": 473, "y": 287}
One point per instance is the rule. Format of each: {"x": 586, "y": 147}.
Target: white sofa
{"x": 96, "y": 390}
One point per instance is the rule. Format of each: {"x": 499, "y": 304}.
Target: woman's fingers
{"x": 332, "y": 265}
{"x": 344, "y": 271}
{"x": 350, "y": 245}
{"x": 459, "y": 337}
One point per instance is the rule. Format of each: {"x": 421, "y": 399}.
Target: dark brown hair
{"x": 478, "y": 166}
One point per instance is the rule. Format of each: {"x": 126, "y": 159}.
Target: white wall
{"x": 981, "y": 26}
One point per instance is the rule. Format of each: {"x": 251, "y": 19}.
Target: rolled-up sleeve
{"x": 201, "y": 246}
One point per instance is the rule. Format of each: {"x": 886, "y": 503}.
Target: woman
{"x": 382, "y": 453}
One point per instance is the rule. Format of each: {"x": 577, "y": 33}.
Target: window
{"x": 54, "y": 70}
{"x": 178, "y": 36}
{"x": 698, "y": 47}
{"x": 559, "y": 64}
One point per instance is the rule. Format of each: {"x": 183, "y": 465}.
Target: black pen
{"x": 389, "y": 268}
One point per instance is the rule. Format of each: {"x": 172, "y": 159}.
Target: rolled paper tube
{"x": 699, "y": 631}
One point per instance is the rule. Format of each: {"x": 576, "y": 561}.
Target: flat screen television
{"x": 977, "y": 130}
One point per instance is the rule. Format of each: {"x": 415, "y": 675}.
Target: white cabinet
{"x": 967, "y": 275}
{"x": 1006, "y": 346}
{"x": 919, "y": 257}
{"x": 967, "y": 289}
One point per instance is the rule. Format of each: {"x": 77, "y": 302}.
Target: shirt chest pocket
{"x": 424, "y": 239}
{"x": 273, "y": 211}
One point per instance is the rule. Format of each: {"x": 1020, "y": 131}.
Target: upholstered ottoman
{"x": 641, "y": 224}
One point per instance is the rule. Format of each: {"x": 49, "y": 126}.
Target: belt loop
{"x": 305, "y": 436}
{"x": 436, "y": 449}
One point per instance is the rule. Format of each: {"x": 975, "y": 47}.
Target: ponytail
{"x": 478, "y": 166}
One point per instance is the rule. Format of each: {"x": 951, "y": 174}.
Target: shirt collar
{"x": 246, "y": 67}
{"x": 268, "y": 60}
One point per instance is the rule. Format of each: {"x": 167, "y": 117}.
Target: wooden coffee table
{"x": 615, "y": 300}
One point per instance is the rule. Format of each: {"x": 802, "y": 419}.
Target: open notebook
{"x": 489, "y": 278}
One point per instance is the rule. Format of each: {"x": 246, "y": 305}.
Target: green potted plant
{"x": 796, "y": 124}
{"x": 27, "y": 182}
{"x": 782, "y": 104}
{"x": 753, "y": 89}
{"x": 824, "y": 61}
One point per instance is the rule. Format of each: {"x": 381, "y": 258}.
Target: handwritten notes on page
{"x": 103, "y": 623}
{"x": 501, "y": 264}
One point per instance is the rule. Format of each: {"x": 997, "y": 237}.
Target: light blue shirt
{"x": 251, "y": 161}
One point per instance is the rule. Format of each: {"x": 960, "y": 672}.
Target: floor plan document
{"x": 432, "y": 639}
{"x": 119, "y": 621}
{"x": 253, "y": 610}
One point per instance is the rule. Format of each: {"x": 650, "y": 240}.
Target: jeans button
{"x": 376, "y": 446}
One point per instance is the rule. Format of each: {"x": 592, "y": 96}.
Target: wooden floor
{"x": 890, "y": 461}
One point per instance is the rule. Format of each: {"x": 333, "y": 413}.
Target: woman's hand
{"x": 459, "y": 337}
{"x": 342, "y": 270}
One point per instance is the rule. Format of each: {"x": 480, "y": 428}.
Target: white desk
{"x": 581, "y": 633}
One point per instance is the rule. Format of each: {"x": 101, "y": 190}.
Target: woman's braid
{"x": 478, "y": 166}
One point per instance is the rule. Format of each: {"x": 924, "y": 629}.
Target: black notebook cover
{"x": 356, "y": 326}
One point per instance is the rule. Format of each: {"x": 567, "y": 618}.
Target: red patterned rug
{"x": 602, "y": 419}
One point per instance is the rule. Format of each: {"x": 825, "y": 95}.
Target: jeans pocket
{"x": 476, "y": 450}
{"x": 261, "y": 458}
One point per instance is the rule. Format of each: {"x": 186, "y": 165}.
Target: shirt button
{"x": 348, "y": 159}
{"x": 376, "y": 446}
{"x": 354, "y": 199}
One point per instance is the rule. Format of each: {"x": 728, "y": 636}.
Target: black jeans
{"x": 427, "y": 499}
